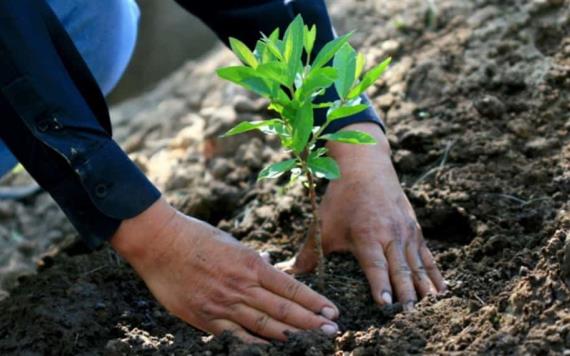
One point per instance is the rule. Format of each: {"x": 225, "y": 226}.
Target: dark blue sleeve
{"x": 247, "y": 19}
{"x": 56, "y": 122}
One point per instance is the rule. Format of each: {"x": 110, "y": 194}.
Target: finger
{"x": 287, "y": 287}
{"x": 375, "y": 267}
{"x": 305, "y": 261}
{"x": 431, "y": 268}
{"x": 286, "y": 311}
{"x": 400, "y": 274}
{"x": 420, "y": 277}
{"x": 264, "y": 325}
{"x": 219, "y": 326}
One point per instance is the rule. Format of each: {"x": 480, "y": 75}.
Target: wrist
{"x": 137, "y": 237}
{"x": 349, "y": 154}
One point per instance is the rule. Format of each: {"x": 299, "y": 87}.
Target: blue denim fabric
{"x": 105, "y": 33}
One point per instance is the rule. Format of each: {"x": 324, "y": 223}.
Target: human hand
{"x": 367, "y": 213}
{"x": 208, "y": 279}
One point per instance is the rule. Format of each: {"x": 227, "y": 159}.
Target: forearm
{"x": 56, "y": 123}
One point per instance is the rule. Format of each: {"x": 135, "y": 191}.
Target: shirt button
{"x": 56, "y": 125}
{"x": 43, "y": 125}
{"x": 101, "y": 191}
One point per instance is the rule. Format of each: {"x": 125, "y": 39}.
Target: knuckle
{"x": 223, "y": 297}
{"x": 394, "y": 245}
{"x": 430, "y": 266}
{"x": 365, "y": 232}
{"x": 411, "y": 227}
{"x": 419, "y": 273}
{"x": 217, "y": 296}
{"x": 293, "y": 289}
{"x": 235, "y": 283}
{"x": 403, "y": 270}
{"x": 283, "y": 310}
{"x": 389, "y": 224}
{"x": 419, "y": 228}
{"x": 209, "y": 310}
{"x": 261, "y": 323}
{"x": 252, "y": 261}
{"x": 378, "y": 263}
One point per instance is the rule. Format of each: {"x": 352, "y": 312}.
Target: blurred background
{"x": 168, "y": 37}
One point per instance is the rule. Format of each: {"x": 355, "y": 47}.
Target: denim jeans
{"x": 104, "y": 32}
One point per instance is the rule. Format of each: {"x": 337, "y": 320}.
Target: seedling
{"x": 284, "y": 70}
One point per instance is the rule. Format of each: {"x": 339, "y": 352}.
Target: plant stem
{"x": 315, "y": 231}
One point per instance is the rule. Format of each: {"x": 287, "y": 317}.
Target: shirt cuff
{"x": 368, "y": 115}
{"x": 115, "y": 185}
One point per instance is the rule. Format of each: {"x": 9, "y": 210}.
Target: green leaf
{"x": 246, "y": 126}
{"x": 351, "y": 137}
{"x": 277, "y": 127}
{"x": 275, "y": 71}
{"x": 275, "y": 170}
{"x": 273, "y": 44}
{"x": 293, "y": 46}
{"x": 302, "y": 127}
{"x": 345, "y": 111}
{"x": 293, "y": 39}
{"x": 321, "y": 151}
{"x": 310, "y": 37}
{"x": 360, "y": 63}
{"x": 317, "y": 79}
{"x": 345, "y": 64}
{"x": 262, "y": 53}
{"x": 329, "y": 50}
{"x": 324, "y": 167}
{"x": 259, "y": 51}
{"x": 243, "y": 52}
{"x": 247, "y": 78}
{"x": 369, "y": 78}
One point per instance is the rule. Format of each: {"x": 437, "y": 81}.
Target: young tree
{"x": 284, "y": 70}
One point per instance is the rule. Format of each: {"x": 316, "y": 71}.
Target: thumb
{"x": 306, "y": 259}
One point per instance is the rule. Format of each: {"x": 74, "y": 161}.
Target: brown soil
{"x": 477, "y": 105}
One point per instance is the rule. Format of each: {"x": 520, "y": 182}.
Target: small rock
{"x": 384, "y": 102}
{"x": 284, "y": 204}
{"x": 243, "y": 104}
{"x": 519, "y": 127}
{"x": 390, "y": 47}
{"x": 359, "y": 351}
{"x": 220, "y": 167}
{"x": 190, "y": 134}
{"x": 264, "y": 212}
{"x": 117, "y": 347}
{"x": 490, "y": 107}
{"x": 538, "y": 146}
{"x": 415, "y": 138}
{"x": 405, "y": 160}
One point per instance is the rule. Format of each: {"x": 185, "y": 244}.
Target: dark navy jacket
{"x": 55, "y": 120}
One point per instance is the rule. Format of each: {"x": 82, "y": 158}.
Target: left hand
{"x": 367, "y": 213}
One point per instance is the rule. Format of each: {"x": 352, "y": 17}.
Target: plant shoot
{"x": 287, "y": 72}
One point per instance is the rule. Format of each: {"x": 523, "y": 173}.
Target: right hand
{"x": 208, "y": 279}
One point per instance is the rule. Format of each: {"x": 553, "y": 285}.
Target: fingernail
{"x": 329, "y": 329}
{"x": 328, "y": 313}
{"x": 409, "y": 306}
{"x": 387, "y": 297}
